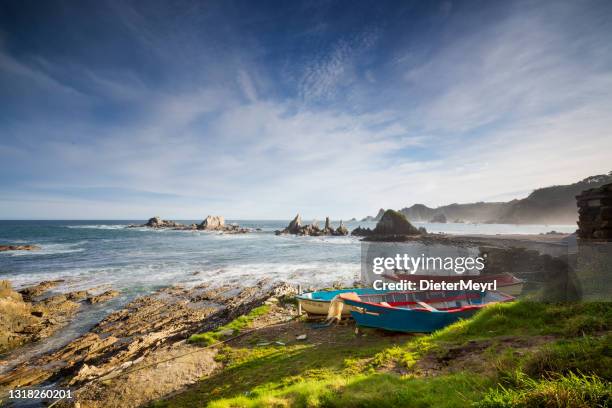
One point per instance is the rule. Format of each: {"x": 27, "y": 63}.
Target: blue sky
{"x": 124, "y": 110}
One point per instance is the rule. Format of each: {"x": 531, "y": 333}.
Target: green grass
{"x": 376, "y": 390}
{"x": 583, "y": 355}
{"x": 571, "y": 391}
{"x": 573, "y": 366}
{"x": 236, "y": 325}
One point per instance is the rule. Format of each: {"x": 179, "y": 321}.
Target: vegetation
{"x": 521, "y": 354}
{"x": 229, "y": 329}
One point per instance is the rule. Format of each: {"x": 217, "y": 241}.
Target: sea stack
{"x": 295, "y": 227}
{"x": 393, "y": 224}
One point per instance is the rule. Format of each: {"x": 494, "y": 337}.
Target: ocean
{"x": 137, "y": 261}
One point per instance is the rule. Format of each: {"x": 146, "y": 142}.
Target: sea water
{"x": 137, "y": 261}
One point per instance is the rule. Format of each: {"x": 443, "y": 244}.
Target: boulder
{"x": 212, "y": 223}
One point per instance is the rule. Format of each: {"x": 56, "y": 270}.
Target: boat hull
{"x": 318, "y": 303}
{"x": 419, "y": 311}
{"x": 408, "y": 321}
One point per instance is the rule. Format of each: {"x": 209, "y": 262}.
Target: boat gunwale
{"x": 357, "y": 303}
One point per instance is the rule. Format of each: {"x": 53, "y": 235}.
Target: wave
{"x": 99, "y": 226}
{"x": 49, "y": 249}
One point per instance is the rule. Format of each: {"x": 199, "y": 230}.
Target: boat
{"x": 318, "y": 303}
{"x": 506, "y": 282}
{"x": 417, "y": 311}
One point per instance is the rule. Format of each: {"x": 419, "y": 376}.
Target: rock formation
{"x": 295, "y": 227}
{"x": 438, "y": 218}
{"x": 19, "y": 248}
{"x": 147, "y": 326}
{"x": 27, "y": 316}
{"x": 211, "y": 223}
{"x": 595, "y": 213}
{"x": 392, "y": 224}
{"x": 157, "y": 222}
{"x": 378, "y": 216}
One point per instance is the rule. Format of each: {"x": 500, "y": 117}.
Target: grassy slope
{"x": 380, "y": 371}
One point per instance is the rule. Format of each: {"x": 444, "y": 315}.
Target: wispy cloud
{"x": 511, "y": 104}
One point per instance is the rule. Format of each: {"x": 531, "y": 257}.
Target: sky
{"x": 261, "y": 110}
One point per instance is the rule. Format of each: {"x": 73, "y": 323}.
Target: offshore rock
{"x": 19, "y": 248}
{"x": 393, "y": 225}
{"x": 295, "y": 227}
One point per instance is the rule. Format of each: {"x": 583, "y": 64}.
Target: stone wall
{"x": 595, "y": 213}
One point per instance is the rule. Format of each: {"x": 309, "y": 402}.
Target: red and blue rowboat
{"x": 418, "y": 312}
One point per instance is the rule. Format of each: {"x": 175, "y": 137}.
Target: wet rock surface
{"x": 19, "y": 248}
{"x": 296, "y": 227}
{"x": 27, "y": 316}
{"x": 145, "y": 329}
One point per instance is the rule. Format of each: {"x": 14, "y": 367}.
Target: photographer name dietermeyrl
{"x": 406, "y": 264}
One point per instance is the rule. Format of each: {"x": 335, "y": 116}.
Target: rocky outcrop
{"x": 157, "y": 222}
{"x": 595, "y": 213}
{"x": 211, "y": 223}
{"x": 378, "y": 216}
{"x": 146, "y": 326}
{"x": 19, "y": 248}
{"x": 28, "y": 316}
{"x": 102, "y": 297}
{"x": 295, "y": 227}
{"x": 438, "y": 218}
{"x": 393, "y": 224}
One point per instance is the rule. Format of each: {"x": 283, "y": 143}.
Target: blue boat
{"x": 417, "y": 312}
{"x": 318, "y": 303}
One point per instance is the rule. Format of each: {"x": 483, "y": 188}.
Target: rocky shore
{"x": 28, "y": 315}
{"x": 210, "y": 223}
{"x": 297, "y": 228}
{"x": 149, "y": 329}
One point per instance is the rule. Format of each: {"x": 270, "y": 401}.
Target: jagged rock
{"x": 24, "y": 318}
{"x": 19, "y": 248}
{"x": 342, "y": 230}
{"x": 34, "y": 291}
{"x": 438, "y": 218}
{"x": 392, "y": 224}
{"x": 103, "y": 297}
{"x": 295, "y": 227}
{"x": 378, "y": 216}
{"x": 146, "y": 325}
